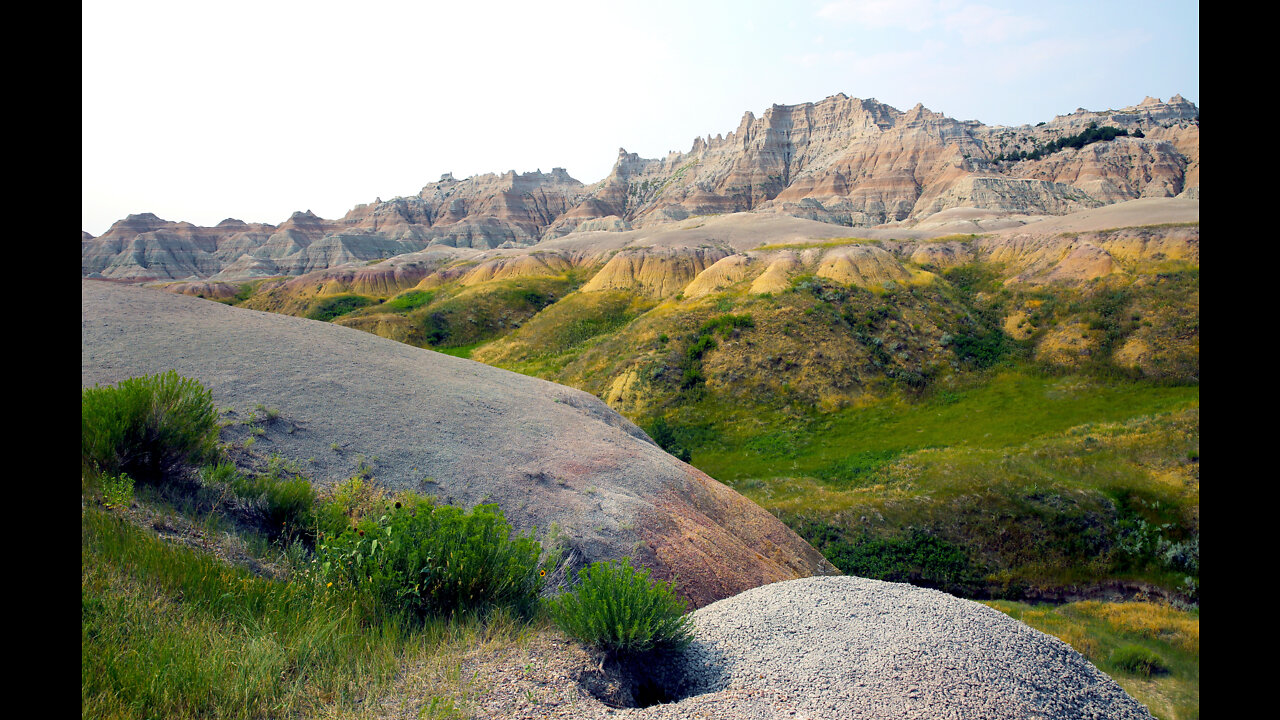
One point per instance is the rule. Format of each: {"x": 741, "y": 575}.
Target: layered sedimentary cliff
{"x": 843, "y": 161}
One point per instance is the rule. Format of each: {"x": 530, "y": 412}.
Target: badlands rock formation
{"x": 843, "y": 161}
{"x": 764, "y": 254}
{"x": 462, "y": 431}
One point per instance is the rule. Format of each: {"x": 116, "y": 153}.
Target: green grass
{"x": 409, "y": 300}
{"x": 1025, "y": 483}
{"x": 169, "y": 632}
{"x": 1109, "y": 633}
{"x": 327, "y": 309}
{"x": 1009, "y": 409}
{"x": 462, "y": 351}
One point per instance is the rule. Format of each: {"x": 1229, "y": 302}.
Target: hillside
{"x": 335, "y": 403}
{"x": 841, "y": 339}
{"x": 1002, "y": 413}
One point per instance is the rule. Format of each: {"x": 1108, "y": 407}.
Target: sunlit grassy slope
{"x": 1025, "y": 485}
{"x": 993, "y": 439}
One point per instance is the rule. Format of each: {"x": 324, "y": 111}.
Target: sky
{"x": 203, "y": 111}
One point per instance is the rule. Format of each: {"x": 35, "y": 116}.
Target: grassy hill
{"x": 969, "y": 427}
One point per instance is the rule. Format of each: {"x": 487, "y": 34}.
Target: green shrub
{"x": 725, "y": 324}
{"x": 147, "y": 426}
{"x": 917, "y": 558}
{"x": 117, "y": 491}
{"x": 979, "y": 348}
{"x": 662, "y": 433}
{"x": 700, "y": 347}
{"x": 284, "y": 505}
{"x": 348, "y": 502}
{"x": 337, "y": 306}
{"x": 429, "y": 559}
{"x": 616, "y": 608}
{"x": 1138, "y": 660}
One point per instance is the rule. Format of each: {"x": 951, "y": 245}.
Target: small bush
{"x": 917, "y": 558}
{"x": 337, "y": 306}
{"x": 147, "y": 426}
{"x": 348, "y": 502}
{"x": 117, "y": 491}
{"x": 429, "y": 559}
{"x": 284, "y": 504}
{"x": 725, "y": 324}
{"x": 616, "y": 608}
{"x": 1138, "y": 660}
{"x": 665, "y": 435}
{"x": 700, "y": 347}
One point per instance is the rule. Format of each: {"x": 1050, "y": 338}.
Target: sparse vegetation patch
{"x": 337, "y": 306}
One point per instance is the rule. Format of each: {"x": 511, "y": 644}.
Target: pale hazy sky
{"x": 203, "y": 111}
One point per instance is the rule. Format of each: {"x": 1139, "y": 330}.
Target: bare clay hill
{"x": 462, "y": 431}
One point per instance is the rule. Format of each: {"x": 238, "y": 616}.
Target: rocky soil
{"x": 832, "y": 648}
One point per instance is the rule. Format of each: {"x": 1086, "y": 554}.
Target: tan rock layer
{"x": 841, "y": 160}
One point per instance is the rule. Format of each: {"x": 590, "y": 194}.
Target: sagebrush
{"x": 618, "y": 609}
{"x": 146, "y": 426}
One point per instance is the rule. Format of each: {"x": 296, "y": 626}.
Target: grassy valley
{"x": 964, "y": 428}
{"x": 975, "y": 427}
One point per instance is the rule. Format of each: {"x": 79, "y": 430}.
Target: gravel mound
{"x": 849, "y": 647}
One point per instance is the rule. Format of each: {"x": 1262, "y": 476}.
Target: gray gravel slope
{"x": 846, "y": 647}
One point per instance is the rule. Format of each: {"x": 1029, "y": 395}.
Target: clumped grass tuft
{"x": 1137, "y": 660}
{"x": 147, "y": 426}
{"x": 617, "y": 609}
{"x": 284, "y": 505}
